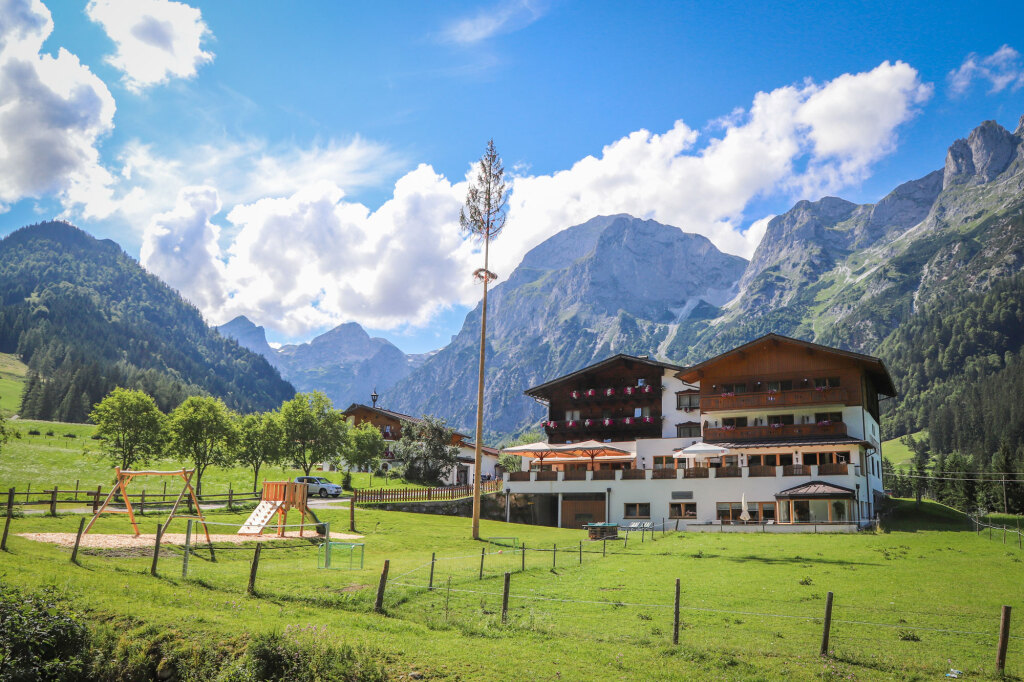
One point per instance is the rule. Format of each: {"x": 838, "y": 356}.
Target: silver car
{"x": 320, "y": 486}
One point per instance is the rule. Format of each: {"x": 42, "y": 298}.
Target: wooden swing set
{"x": 124, "y": 479}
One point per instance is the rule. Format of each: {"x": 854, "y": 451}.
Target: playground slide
{"x": 260, "y": 517}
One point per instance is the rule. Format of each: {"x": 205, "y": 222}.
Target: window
{"x": 780, "y": 419}
{"x": 830, "y": 417}
{"x": 785, "y": 460}
{"x": 637, "y": 510}
{"x": 734, "y": 388}
{"x": 826, "y": 382}
{"x": 687, "y": 431}
{"x": 731, "y": 461}
{"x": 776, "y": 386}
{"x": 641, "y": 382}
{"x": 665, "y": 462}
{"x": 641, "y": 412}
{"x": 734, "y": 421}
{"x": 767, "y": 510}
{"x": 687, "y": 401}
{"x": 572, "y": 415}
{"x": 682, "y": 510}
{"x": 763, "y": 460}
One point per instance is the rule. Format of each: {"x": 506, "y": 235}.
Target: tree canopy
{"x": 130, "y": 427}
{"x": 427, "y": 450}
{"x": 314, "y": 431}
{"x": 202, "y": 431}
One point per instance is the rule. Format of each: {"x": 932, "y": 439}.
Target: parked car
{"x": 320, "y": 486}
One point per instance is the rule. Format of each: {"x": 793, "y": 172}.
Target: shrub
{"x": 346, "y": 481}
{"x": 50, "y": 432}
{"x": 306, "y": 654}
{"x": 40, "y": 639}
{"x": 806, "y": 581}
{"x": 33, "y": 432}
{"x": 70, "y": 435}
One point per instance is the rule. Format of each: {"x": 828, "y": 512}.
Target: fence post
{"x": 7, "y": 520}
{"x": 827, "y": 624}
{"x": 1004, "y": 533}
{"x": 581, "y": 552}
{"x": 523, "y": 558}
{"x": 78, "y": 540}
{"x": 352, "y": 511}
{"x": 675, "y": 618}
{"x": 662, "y": 526}
{"x": 96, "y": 498}
{"x": 504, "y": 599}
{"x": 251, "y": 589}
{"x": 1004, "y": 636}
{"x": 554, "y": 556}
{"x": 231, "y": 498}
{"x": 188, "y": 549}
{"x": 604, "y": 547}
{"x": 433, "y": 558}
{"x": 378, "y": 606}
{"x": 483, "y": 550}
{"x": 53, "y": 501}
{"x": 76, "y": 489}
{"x": 142, "y": 503}
{"x": 156, "y": 549}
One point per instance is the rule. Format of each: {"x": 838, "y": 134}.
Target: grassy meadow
{"x": 911, "y": 601}
{"x": 898, "y": 453}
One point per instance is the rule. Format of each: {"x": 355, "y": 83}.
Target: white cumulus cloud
{"x": 53, "y": 111}
{"x": 1002, "y": 69}
{"x": 311, "y": 258}
{"x": 156, "y": 40}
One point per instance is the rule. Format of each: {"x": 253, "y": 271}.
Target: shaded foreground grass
{"x": 909, "y": 603}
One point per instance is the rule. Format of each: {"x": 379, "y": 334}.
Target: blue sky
{"x": 303, "y": 163}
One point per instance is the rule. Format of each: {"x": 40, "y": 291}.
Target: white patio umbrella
{"x": 700, "y": 448}
{"x": 744, "y": 513}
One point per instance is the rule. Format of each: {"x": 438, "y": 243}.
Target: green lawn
{"x": 898, "y": 453}
{"x": 42, "y": 461}
{"x": 12, "y": 378}
{"x": 905, "y": 604}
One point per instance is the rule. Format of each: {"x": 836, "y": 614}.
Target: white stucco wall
{"x": 673, "y": 416}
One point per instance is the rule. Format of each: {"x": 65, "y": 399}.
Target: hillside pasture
{"x": 911, "y": 601}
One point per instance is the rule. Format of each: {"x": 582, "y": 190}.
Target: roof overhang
{"x": 540, "y": 391}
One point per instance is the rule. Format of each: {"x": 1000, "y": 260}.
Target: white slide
{"x": 259, "y": 518}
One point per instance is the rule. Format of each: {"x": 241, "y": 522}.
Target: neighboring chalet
{"x": 390, "y": 425}
{"x": 789, "y": 427}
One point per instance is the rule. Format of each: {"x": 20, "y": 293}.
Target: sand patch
{"x": 100, "y": 541}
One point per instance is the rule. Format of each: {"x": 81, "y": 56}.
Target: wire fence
{"x": 598, "y": 591}
{"x": 995, "y": 532}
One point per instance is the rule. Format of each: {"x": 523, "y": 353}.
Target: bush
{"x": 306, "y": 654}
{"x": 70, "y": 435}
{"x": 33, "y": 432}
{"x": 40, "y": 639}
{"x": 346, "y": 481}
{"x": 49, "y": 433}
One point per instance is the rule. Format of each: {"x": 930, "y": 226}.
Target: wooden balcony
{"x": 796, "y": 470}
{"x": 634, "y": 474}
{"x": 600, "y": 426}
{"x": 519, "y": 476}
{"x": 840, "y": 469}
{"x": 696, "y": 472}
{"x": 614, "y": 393}
{"x": 761, "y": 471}
{"x": 774, "y": 432}
{"x": 604, "y": 475}
{"x": 547, "y": 475}
{"x": 764, "y": 399}
{"x": 728, "y": 472}
{"x": 575, "y": 475}
{"x": 664, "y": 473}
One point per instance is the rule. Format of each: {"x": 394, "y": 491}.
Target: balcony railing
{"x": 634, "y": 474}
{"x": 664, "y": 473}
{"x": 614, "y": 393}
{"x": 547, "y": 475}
{"x": 728, "y": 472}
{"x": 575, "y": 475}
{"x": 600, "y": 424}
{"x": 763, "y": 471}
{"x": 796, "y": 470}
{"x": 695, "y": 472}
{"x": 774, "y": 432}
{"x": 519, "y": 476}
{"x": 840, "y": 469}
{"x": 604, "y": 475}
{"x": 764, "y": 399}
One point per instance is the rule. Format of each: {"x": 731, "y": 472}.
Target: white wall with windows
{"x": 674, "y": 410}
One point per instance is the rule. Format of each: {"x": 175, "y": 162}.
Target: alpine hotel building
{"x": 789, "y": 427}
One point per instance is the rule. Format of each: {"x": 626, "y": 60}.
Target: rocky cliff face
{"x": 613, "y": 284}
{"x": 345, "y": 362}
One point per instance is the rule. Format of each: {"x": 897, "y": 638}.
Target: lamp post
{"x": 373, "y": 398}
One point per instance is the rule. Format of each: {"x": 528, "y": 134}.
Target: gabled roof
{"x": 537, "y": 392}
{"x": 874, "y": 366}
{"x": 393, "y": 415}
{"x": 816, "y": 489}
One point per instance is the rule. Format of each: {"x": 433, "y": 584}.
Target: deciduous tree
{"x": 364, "y": 448}
{"x": 427, "y": 450}
{"x": 314, "y": 431}
{"x": 260, "y": 442}
{"x": 130, "y": 427}
{"x": 202, "y": 431}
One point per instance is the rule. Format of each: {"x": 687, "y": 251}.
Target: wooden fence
{"x": 94, "y": 497}
{"x": 423, "y": 494}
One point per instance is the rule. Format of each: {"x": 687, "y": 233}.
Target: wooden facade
{"x": 618, "y": 399}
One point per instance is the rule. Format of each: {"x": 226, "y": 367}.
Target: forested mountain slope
{"x": 85, "y": 318}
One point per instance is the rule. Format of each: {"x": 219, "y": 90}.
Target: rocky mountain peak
{"x": 986, "y": 153}
{"x": 249, "y": 335}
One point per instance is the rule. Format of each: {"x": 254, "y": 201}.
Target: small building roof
{"x": 414, "y": 420}
{"x": 816, "y": 489}
{"x": 538, "y": 392}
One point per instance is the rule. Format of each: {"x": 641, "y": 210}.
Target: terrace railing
{"x": 840, "y": 469}
{"x": 773, "y": 432}
{"x": 696, "y": 472}
{"x": 762, "y": 471}
{"x": 665, "y": 473}
{"x": 796, "y": 470}
{"x": 765, "y": 399}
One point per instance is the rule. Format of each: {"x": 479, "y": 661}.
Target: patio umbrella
{"x": 700, "y": 448}
{"x": 745, "y": 513}
{"x": 591, "y": 449}
{"x": 538, "y": 450}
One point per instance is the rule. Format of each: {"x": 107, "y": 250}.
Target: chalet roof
{"x": 539, "y": 392}
{"x": 875, "y": 367}
{"x": 792, "y": 442}
{"x": 816, "y": 489}
{"x": 400, "y": 417}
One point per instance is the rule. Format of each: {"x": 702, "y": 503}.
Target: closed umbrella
{"x": 744, "y": 512}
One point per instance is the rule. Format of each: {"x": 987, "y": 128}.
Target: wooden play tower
{"x": 278, "y": 498}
